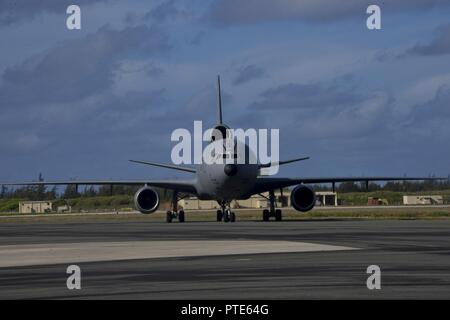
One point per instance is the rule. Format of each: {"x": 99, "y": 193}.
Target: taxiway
{"x": 324, "y": 259}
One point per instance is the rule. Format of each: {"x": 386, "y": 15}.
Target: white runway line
{"x": 66, "y": 253}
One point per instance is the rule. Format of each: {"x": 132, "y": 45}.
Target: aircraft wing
{"x": 264, "y": 184}
{"x": 179, "y": 185}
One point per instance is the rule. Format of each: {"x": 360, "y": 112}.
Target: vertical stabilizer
{"x": 219, "y": 102}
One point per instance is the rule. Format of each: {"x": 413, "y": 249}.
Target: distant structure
{"x": 282, "y": 200}
{"x": 35, "y": 207}
{"x": 326, "y": 198}
{"x": 418, "y": 200}
{"x": 64, "y": 209}
{"x": 374, "y": 201}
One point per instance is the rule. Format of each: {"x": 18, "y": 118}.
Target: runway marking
{"x": 43, "y": 254}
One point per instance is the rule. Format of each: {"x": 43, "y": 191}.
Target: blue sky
{"x": 79, "y": 104}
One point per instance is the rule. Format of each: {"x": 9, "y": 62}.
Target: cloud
{"x": 151, "y": 69}
{"x": 330, "y": 109}
{"x": 69, "y": 91}
{"x": 426, "y": 127}
{"x": 197, "y": 39}
{"x": 133, "y": 109}
{"x": 165, "y": 11}
{"x": 100, "y": 120}
{"x": 436, "y": 109}
{"x": 21, "y": 141}
{"x": 317, "y": 95}
{"x": 202, "y": 104}
{"x": 360, "y": 127}
{"x": 236, "y": 12}
{"x": 77, "y": 69}
{"x": 248, "y": 73}
{"x": 439, "y": 44}
{"x": 15, "y": 11}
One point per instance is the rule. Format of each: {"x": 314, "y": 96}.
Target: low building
{"x": 422, "y": 200}
{"x": 192, "y": 203}
{"x": 326, "y": 198}
{"x": 35, "y": 207}
{"x": 256, "y": 201}
{"x": 64, "y": 209}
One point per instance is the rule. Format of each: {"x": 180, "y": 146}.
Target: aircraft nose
{"x": 230, "y": 169}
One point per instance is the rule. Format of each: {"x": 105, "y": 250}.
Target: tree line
{"x": 396, "y": 186}
{"x": 37, "y": 193}
{"x": 40, "y": 193}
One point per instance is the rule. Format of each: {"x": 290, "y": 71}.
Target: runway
{"x": 324, "y": 259}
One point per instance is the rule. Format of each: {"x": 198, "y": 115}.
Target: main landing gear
{"x": 225, "y": 213}
{"x": 272, "y": 212}
{"x": 174, "y": 213}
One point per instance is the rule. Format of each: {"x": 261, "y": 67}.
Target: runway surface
{"x": 324, "y": 259}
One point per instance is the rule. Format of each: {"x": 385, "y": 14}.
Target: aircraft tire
{"x": 169, "y": 216}
{"x": 232, "y": 217}
{"x": 278, "y": 215}
{"x": 181, "y": 216}
{"x": 226, "y": 216}
{"x": 266, "y": 215}
{"x": 219, "y": 215}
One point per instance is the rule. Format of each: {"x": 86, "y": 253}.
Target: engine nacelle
{"x": 146, "y": 200}
{"x": 303, "y": 198}
{"x": 219, "y": 132}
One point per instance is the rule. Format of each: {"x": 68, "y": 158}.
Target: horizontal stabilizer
{"x": 271, "y": 164}
{"x": 163, "y": 165}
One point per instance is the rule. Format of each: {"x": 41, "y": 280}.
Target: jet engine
{"x": 303, "y": 198}
{"x": 219, "y": 132}
{"x": 146, "y": 200}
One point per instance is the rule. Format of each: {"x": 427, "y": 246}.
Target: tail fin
{"x": 219, "y": 102}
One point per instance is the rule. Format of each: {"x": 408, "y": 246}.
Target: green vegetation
{"x": 116, "y": 202}
{"x": 9, "y": 205}
{"x": 120, "y": 198}
{"x": 81, "y": 204}
{"x": 104, "y": 198}
{"x": 393, "y": 197}
{"x": 126, "y": 202}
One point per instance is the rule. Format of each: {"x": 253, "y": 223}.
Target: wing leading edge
{"x": 264, "y": 184}
{"x": 179, "y": 185}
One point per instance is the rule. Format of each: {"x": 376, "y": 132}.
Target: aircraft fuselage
{"x": 225, "y": 181}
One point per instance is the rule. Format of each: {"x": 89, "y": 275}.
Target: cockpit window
{"x": 229, "y": 156}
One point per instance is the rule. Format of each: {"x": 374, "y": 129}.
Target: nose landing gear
{"x": 229, "y": 216}
{"x": 225, "y": 213}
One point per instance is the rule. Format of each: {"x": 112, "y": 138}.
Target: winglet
{"x": 219, "y": 102}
